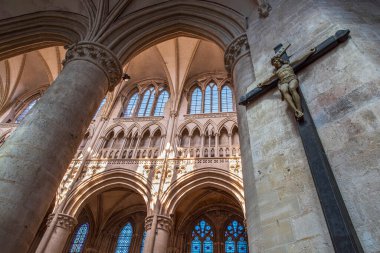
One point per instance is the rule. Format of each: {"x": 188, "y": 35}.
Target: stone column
{"x": 238, "y": 62}
{"x": 157, "y": 229}
{"x": 150, "y": 233}
{"x": 164, "y": 225}
{"x": 61, "y": 231}
{"x": 35, "y": 157}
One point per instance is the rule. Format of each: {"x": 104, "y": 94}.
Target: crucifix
{"x": 342, "y": 232}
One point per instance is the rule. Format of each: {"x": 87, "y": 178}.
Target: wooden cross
{"x": 342, "y": 232}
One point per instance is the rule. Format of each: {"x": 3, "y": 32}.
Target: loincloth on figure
{"x": 285, "y": 75}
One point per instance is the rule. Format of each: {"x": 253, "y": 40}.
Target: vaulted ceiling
{"x": 176, "y": 60}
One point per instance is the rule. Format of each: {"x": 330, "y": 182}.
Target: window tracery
{"x": 125, "y": 238}
{"x": 79, "y": 238}
{"x": 202, "y": 238}
{"x": 235, "y": 238}
{"x": 146, "y": 103}
{"x": 212, "y": 100}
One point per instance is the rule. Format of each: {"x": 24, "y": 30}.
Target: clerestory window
{"x": 125, "y": 238}
{"x": 79, "y": 238}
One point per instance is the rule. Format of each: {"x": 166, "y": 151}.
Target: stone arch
{"x": 201, "y": 178}
{"x": 112, "y": 128}
{"x": 130, "y": 128}
{"x": 223, "y": 122}
{"x": 212, "y": 123}
{"x": 55, "y": 28}
{"x": 160, "y": 126}
{"x": 171, "y": 19}
{"x": 185, "y": 125}
{"x": 107, "y": 180}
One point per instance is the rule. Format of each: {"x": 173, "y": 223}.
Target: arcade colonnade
{"x": 280, "y": 197}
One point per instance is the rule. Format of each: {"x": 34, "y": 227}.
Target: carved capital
{"x": 98, "y": 55}
{"x": 148, "y": 223}
{"x": 164, "y": 223}
{"x": 264, "y": 9}
{"x": 64, "y": 221}
{"x": 235, "y": 50}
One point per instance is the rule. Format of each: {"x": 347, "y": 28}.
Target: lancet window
{"x": 227, "y": 105}
{"x": 131, "y": 105}
{"x": 79, "y": 238}
{"x": 151, "y": 102}
{"x": 125, "y": 238}
{"x": 211, "y": 100}
{"x": 27, "y": 109}
{"x": 202, "y": 238}
{"x": 161, "y": 102}
{"x": 196, "y": 101}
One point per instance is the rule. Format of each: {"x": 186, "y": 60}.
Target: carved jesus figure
{"x": 287, "y": 81}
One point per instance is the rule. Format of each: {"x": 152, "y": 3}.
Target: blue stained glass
{"x": 147, "y": 103}
{"x": 161, "y": 102}
{"x": 227, "y": 99}
{"x": 128, "y": 112}
{"x": 79, "y": 238}
{"x": 124, "y": 240}
{"x": 142, "y": 242}
{"x": 236, "y": 238}
{"x": 196, "y": 245}
{"x": 208, "y": 246}
{"x": 242, "y": 246}
{"x": 196, "y": 101}
{"x": 202, "y": 238}
{"x": 230, "y": 245}
{"x": 26, "y": 110}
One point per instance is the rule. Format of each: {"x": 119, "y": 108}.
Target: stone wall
{"x": 342, "y": 92}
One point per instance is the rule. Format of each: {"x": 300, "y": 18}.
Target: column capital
{"x": 235, "y": 50}
{"x": 148, "y": 223}
{"x": 98, "y": 55}
{"x": 64, "y": 221}
{"x": 164, "y": 223}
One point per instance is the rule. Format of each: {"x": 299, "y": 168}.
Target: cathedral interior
{"x": 202, "y": 126}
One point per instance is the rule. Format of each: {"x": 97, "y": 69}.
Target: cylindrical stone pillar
{"x": 238, "y": 61}
{"x": 164, "y": 225}
{"x": 35, "y": 157}
{"x": 61, "y": 231}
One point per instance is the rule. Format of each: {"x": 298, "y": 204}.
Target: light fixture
{"x": 125, "y": 77}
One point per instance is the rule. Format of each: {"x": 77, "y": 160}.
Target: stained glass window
{"x": 236, "y": 241}
{"x": 26, "y": 110}
{"x": 79, "y": 238}
{"x": 161, "y": 102}
{"x": 125, "y": 238}
{"x": 202, "y": 238}
{"x": 211, "y": 98}
{"x": 227, "y": 99}
{"x": 196, "y": 101}
{"x": 142, "y": 242}
{"x": 128, "y": 111}
{"x": 147, "y": 103}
